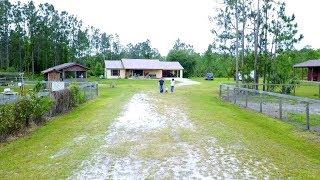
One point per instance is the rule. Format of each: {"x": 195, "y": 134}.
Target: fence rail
{"x": 88, "y": 89}
{"x": 303, "y": 112}
{"x": 290, "y": 89}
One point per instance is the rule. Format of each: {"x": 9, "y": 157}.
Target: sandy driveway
{"x": 151, "y": 139}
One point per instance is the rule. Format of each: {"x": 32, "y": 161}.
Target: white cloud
{"x": 306, "y": 13}
{"x": 163, "y": 21}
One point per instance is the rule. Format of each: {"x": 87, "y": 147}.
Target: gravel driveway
{"x": 150, "y": 139}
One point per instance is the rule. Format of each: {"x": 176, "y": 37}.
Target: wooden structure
{"x": 313, "y": 67}
{"x": 66, "y": 71}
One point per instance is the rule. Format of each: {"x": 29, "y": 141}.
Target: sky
{"x": 164, "y": 21}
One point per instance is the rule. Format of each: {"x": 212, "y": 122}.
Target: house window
{"x": 115, "y": 72}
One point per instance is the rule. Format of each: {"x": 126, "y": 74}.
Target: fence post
{"x": 280, "y": 108}
{"x": 246, "y": 98}
{"x": 261, "y": 102}
{"x": 220, "y": 91}
{"x": 97, "y": 89}
{"x": 228, "y": 93}
{"x": 234, "y": 96}
{"x": 308, "y": 115}
{"x": 319, "y": 90}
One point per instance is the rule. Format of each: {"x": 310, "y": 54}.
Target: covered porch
{"x": 310, "y": 70}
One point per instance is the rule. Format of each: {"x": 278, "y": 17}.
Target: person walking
{"x": 172, "y": 85}
{"x": 161, "y": 85}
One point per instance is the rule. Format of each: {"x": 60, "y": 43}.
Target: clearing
{"x": 131, "y": 131}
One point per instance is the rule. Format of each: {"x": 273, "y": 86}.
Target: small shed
{"x": 65, "y": 71}
{"x": 313, "y": 67}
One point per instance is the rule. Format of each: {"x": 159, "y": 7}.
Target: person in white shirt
{"x": 172, "y": 85}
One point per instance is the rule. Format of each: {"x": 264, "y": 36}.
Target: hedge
{"x": 18, "y": 116}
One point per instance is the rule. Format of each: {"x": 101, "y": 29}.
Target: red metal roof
{"x": 62, "y": 66}
{"x": 149, "y": 64}
{"x": 310, "y": 63}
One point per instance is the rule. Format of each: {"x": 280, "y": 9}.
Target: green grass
{"x": 300, "y": 118}
{"x": 311, "y": 91}
{"x": 30, "y": 156}
{"x": 296, "y": 153}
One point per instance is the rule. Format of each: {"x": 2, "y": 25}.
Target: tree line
{"x": 35, "y": 38}
{"x": 249, "y": 35}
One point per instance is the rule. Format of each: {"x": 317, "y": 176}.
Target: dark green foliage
{"x": 8, "y": 125}
{"x": 17, "y": 116}
{"x": 23, "y": 110}
{"x": 38, "y": 87}
{"x": 77, "y": 96}
{"x": 185, "y": 54}
{"x": 40, "y": 108}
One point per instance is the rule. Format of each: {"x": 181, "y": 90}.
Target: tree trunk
{"x": 32, "y": 61}
{"x": 256, "y": 35}
{"x": 266, "y": 63}
{"x": 20, "y": 57}
{"x": 237, "y": 42}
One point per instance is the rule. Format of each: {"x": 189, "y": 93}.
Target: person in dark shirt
{"x": 161, "y": 85}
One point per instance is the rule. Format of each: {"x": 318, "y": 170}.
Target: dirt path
{"x": 152, "y": 140}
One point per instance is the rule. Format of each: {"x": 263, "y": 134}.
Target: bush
{"x": 40, "y": 107}
{"x": 22, "y": 111}
{"x": 17, "y": 116}
{"x": 7, "y": 121}
{"x": 77, "y": 96}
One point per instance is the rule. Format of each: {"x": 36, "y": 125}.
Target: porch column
{"x": 181, "y": 73}
{"x": 75, "y": 74}
{"x": 63, "y": 75}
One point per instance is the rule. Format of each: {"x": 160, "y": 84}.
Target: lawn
{"x": 296, "y": 153}
{"x": 310, "y": 91}
{"x": 34, "y": 156}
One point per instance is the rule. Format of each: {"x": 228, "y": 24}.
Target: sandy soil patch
{"x": 152, "y": 140}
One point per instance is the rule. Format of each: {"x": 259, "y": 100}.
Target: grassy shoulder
{"x": 59, "y": 147}
{"x": 295, "y": 153}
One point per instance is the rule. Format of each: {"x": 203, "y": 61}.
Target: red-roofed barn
{"x": 313, "y": 67}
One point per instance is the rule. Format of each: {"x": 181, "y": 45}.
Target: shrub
{"x": 7, "y": 121}
{"x": 77, "y": 96}
{"x": 40, "y": 107}
{"x": 38, "y": 87}
{"x": 22, "y": 111}
{"x": 15, "y": 117}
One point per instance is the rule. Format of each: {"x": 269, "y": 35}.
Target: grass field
{"x": 295, "y": 153}
{"x": 310, "y": 91}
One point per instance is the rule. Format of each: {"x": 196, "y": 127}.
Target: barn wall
{"x": 53, "y": 76}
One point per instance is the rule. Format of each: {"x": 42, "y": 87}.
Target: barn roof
{"x": 62, "y": 66}
{"x": 149, "y": 64}
{"x": 310, "y": 63}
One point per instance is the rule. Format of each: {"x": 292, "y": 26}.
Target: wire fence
{"x": 300, "y": 88}
{"x": 12, "y": 93}
{"x": 302, "y": 112}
